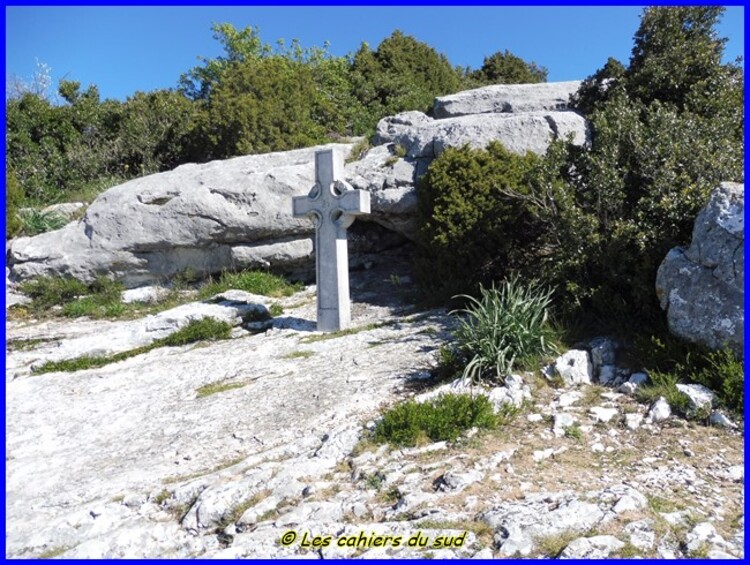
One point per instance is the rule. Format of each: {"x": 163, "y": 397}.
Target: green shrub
{"x": 37, "y": 221}
{"x": 724, "y": 373}
{"x": 664, "y": 384}
{"x": 441, "y": 419}
{"x": 204, "y": 329}
{"x": 505, "y": 325}
{"x": 13, "y": 199}
{"x": 46, "y": 292}
{"x": 256, "y": 282}
{"x": 474, "y": 221}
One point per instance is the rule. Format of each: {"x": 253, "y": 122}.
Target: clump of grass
{"x": 275, "y": 310}
{"x": 553, "y": 545}
{"x": 359, "y": 150}
{"x": 26, "y": 344}
{"x": 203, "y": 329}
{"x": 505, "y": 325}
{"x": 53, "y": 552}
{"x": 574, "y": 432}
{"x": 725, "y": 375}
{"x": 35, "y": 222}
{"x": 664, "y": 384}
{"x": 441, "y": 419}
{"x": 46, "y": 292}
{"x": 298, "y": 355}
{"x": 256, "y": 282}
{"x": 215, "y": 388}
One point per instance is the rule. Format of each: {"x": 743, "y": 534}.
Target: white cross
{"x": 332, "y": 205}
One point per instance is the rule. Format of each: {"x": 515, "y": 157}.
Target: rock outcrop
{"x": 507, "y": 98}
{"x": 702, "y": 287}
{"x": 237, "y": 213}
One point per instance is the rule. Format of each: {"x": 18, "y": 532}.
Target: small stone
{"x": 454, "y": 481}
{"x": 627, "y": 388}
{"x": 607, "y": 374}
{"x": 534, "y": 418}
{"x": 638, "y": 379}
{"x": 659, "y": 411}
{"x": 633, "y": 420}
{"x": 735, "y": 473}
{"x": 717, "y": 418}
{"x": 562, "y": 421}
{"x": 574, "y": 367}
{"x": 569, "y": 398}
{"x": 541, "y": 455}
{"x": 688, "y": 452}
{"x": 700, "y": 397}
{"x": 602, "y": 414}
{"x": 602, "y": 351}
{"x": 595, "y": 547}
{"x": 597, "y": 447}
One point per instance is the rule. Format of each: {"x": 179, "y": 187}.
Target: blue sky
{"x": 125, "y": 49}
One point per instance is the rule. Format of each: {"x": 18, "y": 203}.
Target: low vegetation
{"x": 255, "y": 282}
{"x": 442, "y": 419}
{"x": 102, "y": 299}
{"x": 204, "y": 329}
{"x": 508, "y": 325}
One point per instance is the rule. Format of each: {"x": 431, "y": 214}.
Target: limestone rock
{"x": 506, "y": 98}
{"x": 700, "y": 397}
{"x": 701, "y": 287}
{"x": 425, "y": 138}
{"x": 574, "y": 367}
{"x": 659, "y": 411}
{"x": 595, "y": 547}
{"x": 203, "y": 217}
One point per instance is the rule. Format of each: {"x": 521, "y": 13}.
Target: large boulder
{"x": 423, "y": 137}
{"x": 702, "y": 287}
{"x": 201, "y": 217}
{"x": 506, "y": 98}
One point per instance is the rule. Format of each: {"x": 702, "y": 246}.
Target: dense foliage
{"x": 596, "y": 222}
{"x": 253, "y": 98}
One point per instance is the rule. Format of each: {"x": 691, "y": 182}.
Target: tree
{"x": 401, "y": 74}
{"x": 507, "y": 68}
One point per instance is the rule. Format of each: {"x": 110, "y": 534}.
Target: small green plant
{"x": 256, "y": 282}
{"x": 441, "y": 419}
{"x": 359, "y": 150}
{"x": 275, "y": 310}
{"x": 215, "y": 388}
{"x": 506, "y": 324}
{"x": 399, "y": 151}
{"x": 664, "y": 384}
{"x": 552, "y": 545}
{"x": 574, "y": 432}
{"x": 373, "y": 481}
{"x": 724, "y": 374}
{"x": 46, "y": 292}
{"x": 196, "y": 330}
{"x": 36, "y": 221}
{"x": 299, "y": 355}
{"x": 53, "y": 552}
{"x": 162, "y": 497}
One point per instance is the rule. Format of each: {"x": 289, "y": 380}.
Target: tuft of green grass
{"x": 552, "y": 545}
{"x": 299, "y": 355}
{"x": 441, "y": 419}
{"x": 505, "y": 325}
{"x": 574, "y": 432}
{"x": 53, "y": 552}
{"x": 275, "y": 310}
{"x": 35, "y": 222}
{"x": 359, "y": 150}
{"x": 26, "y": 344}
{"x": 46, "y": 292}
{"x": 664, "y": 384}
{"x": 256, "y": 282}
{"x": 215, "y": 388}
{"x": 204, "y": 329}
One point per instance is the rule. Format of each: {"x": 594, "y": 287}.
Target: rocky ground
{"x": 222, "y": 450}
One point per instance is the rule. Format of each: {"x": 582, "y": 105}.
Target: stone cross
{"x": 332, "y": 205}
